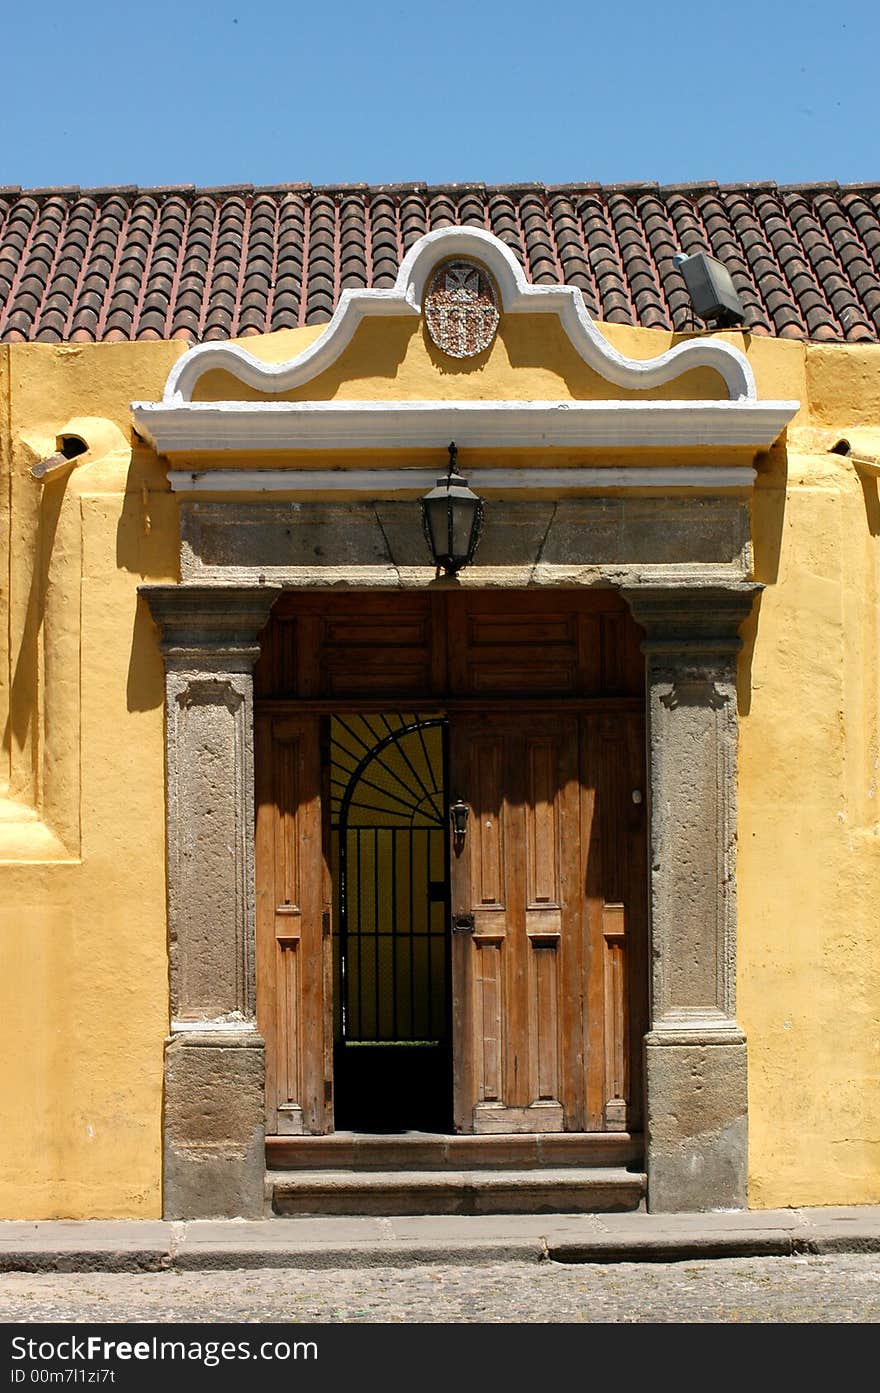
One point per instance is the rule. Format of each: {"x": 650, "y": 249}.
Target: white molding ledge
{"x": 174, "y": 428}
{"x": 379, "y": 483}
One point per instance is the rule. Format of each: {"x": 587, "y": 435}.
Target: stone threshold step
{"x": 437, "y": 1151}
{"x": 563, "y": 1190}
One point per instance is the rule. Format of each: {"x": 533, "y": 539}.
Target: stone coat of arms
{"x": 461, "y": 309}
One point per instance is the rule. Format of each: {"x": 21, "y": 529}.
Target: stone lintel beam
{"x": 695, "y": 1064}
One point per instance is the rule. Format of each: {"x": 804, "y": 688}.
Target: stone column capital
{"x": 201, "y": 624}
{"x": 691, "y": 617}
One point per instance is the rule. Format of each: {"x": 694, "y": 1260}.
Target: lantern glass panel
{"x": 437, "y": 514}
{"x": 462, "y": 519}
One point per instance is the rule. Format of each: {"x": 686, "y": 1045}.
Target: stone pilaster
{"x": 695, "y": 1052}
{"x": 214, "y": 1160}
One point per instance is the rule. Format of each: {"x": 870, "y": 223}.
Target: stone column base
{"x": 214, "y": 1143}
{"x": 696, "y": 1126}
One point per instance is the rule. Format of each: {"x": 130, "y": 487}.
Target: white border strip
{"x": 517, "y": 297}
{"x": 411, "y": 425}
{"x": 214, "y": 1027}
{"x": 378, "y": 482}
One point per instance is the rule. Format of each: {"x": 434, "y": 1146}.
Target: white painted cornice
{"x": 178, "y": 424}
{"x": 253, "y": 427}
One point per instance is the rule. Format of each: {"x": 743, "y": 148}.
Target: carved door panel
{"x": 548, "y": 922}
{"x": 294, "y": 947}
{"x": 517, "y": 913}
{"x": 613, "y": 808}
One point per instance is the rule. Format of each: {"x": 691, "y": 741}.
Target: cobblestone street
{"x": 794, "y": 1289}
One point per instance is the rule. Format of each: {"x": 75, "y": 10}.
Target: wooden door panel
{"x": 543, "y": 842}
{"x": 615, "y": 1016}
{"x": 545, "y": 1025}
{"x": 612, "y": 808}
{"x": 293, "y": 921}
{"x": 635, "y": 890}
{"x": 516, "y": 877}
{"x": 481, "y": 991}
{"x": 488, "y": 969}
{"x": 552, "y": 871}
{"x": 488, "y": 833}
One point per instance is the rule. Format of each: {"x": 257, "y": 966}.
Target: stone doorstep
{"x": 453, "y": 1151}
{"x": 563, "y": 1190}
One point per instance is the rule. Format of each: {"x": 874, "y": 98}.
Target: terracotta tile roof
{"x": 180, "y": 262}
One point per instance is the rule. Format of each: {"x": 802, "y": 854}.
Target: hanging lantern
{"x": 452, "y": 518}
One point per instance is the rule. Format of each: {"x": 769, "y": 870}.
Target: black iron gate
{"x": 390, "y": 861}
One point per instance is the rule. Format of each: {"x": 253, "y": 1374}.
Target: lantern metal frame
{"x": 454, "y": 488}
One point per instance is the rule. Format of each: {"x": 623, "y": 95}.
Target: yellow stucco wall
{"x": 809, "y": 797}
{"x": 83, "y": 976}
{"x": 83, "y": 971}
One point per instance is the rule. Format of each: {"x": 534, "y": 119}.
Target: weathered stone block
{"x": 697, "y": 1127}
{"x": 214, "y": 1162}
{"x": 647, "y": 532}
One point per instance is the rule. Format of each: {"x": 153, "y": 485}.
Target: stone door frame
{"x": 695, "y": 1052}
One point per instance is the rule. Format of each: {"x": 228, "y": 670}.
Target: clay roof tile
{"x": 183, "y": 262}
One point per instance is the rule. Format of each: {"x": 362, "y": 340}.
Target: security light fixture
{"x": 452, "y": 519}
{"x": 713, "y": 294}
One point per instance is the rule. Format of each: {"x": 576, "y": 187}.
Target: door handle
{"x": 458, "y": 816}
{"x": 462, "y": 923}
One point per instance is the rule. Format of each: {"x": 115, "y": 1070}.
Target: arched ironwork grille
{"x": 388, "y": 817}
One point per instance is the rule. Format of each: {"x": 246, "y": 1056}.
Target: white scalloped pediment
{"x": 178, "y": 424}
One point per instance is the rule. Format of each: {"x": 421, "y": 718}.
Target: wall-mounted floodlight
{"x": 713, "y": 294}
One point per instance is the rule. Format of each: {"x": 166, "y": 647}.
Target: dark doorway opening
{"x": 390, "y": 867}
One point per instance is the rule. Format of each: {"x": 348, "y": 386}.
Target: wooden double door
{"x": 532, "y": 937}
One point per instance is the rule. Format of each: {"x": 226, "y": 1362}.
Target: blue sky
{"x": 261, "y": 93}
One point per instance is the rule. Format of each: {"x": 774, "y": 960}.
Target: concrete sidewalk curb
{"x": 118, "y": 1246}
{"x": 87, "y": 1260}
{"x": 306, "y": 1257}
{"x": 716, "y": 1245}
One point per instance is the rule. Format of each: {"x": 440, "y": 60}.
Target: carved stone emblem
{"x": 461, "y": 309}
{"x": 693, "y": 690}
